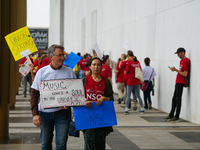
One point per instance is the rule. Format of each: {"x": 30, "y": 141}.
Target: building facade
{"x": 154, "y": 29}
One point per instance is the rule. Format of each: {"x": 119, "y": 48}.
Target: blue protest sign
{"x": 72, "y": 60}
{"x": 95, "y": 117}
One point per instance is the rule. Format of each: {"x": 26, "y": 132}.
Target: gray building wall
{"x": 154, "y": 28}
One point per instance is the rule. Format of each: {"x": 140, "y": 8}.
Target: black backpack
{"x": 187, "y": 80}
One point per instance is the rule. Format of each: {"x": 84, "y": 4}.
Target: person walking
{"x": 182, "y": 72}
{"x": 119, "y": 73}
{"x": 97, "y": 89}
{"x": 132, "y": 82}
{"x": 47, "y": 119}
{"x": 82, "y": 64}
{"x": 148, "y": 75}
{"x": 106, "y": 71}
{"x": 26, "y": 78}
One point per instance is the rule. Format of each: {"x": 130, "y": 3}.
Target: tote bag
{"x": 139, "y": 74}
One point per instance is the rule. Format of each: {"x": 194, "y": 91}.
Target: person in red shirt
{"x": 123, "y": 66}
{"x": 119, "y": 74}
{"x": 26, "y": 78}
{"x": 46, "y": 62}
{"x": 87, "y": 71}
{"x": 132, "y": 82}
{"x": 82, "y": 67}
{"x": 40, "y": 64}
{"x": 97, "y": 89}
{"x": 106, "y": 71}
{"x": 182, "y": 72}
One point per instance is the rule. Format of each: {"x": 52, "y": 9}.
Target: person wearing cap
{"x": 182, "y": 72}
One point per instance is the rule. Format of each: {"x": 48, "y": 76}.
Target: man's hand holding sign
{"x": 21, "y": 45}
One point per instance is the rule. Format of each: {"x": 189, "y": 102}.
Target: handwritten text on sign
{"x": 20, "y": 43}
{"x": 25, "y": 69}
{"x": 57, "y": 93}
{"x": 95, "y": 117}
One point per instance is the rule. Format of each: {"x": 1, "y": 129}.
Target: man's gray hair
{"x": 51, "y": 50}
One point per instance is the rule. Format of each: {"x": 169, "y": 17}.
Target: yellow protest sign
{"x": 21, "y": 43}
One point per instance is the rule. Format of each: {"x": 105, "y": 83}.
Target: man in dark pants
{"x": 180, "y": 82}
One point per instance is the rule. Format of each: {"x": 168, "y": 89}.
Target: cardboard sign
{"x": 21, "y": 43}
{"x": 97, "y": 50}
{"x": 95, "y": 117}
{"x": 58, "y": 93}
{"x": 25, "y": 69}
{"x": 72, "y": 60}
{"x": 126, "y": 43}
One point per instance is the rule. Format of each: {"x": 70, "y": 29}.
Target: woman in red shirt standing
{"x": 97, "y": 89}
{"x": 106, "y": 71}
{"x": 132, "y": 82}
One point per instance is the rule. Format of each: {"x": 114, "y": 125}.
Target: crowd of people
{"x": 96, "y": 74}
{"x": 128, "y": 83}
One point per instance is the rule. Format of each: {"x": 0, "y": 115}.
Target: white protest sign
{"x": 25, "y": 69}
{"x": 97, "y": 50}
{"x": 113, "y": 64}
{"x": 58, "y": 93}
{"x": 125, "y": 45}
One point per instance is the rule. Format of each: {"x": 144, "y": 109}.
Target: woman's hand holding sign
{"x": 100, "y": 100}
{"x": 88, "y": 103}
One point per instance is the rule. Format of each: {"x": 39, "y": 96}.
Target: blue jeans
{"x": 81, "y": 74}
{"x": 129, "y": 89}
{"x": 147, "y": 95}
{"x": 60, "y": 119}
{"x": 134, "y": 95}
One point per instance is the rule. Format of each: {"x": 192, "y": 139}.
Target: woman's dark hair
{"x": 119, "y": 59}
{"x": 147, "y": 61}
{"x": 85, "y": 56}
{"x": 42, "y": 58}
{"x": 88, "y": 63}
{"x": 105, "y": 57}
{"x": 130, "y": 53}
{"x": 79, "y": 54}
{"x": 94, "y": 59}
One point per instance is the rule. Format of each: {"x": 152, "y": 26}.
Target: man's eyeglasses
{"x": 61, "y": 55}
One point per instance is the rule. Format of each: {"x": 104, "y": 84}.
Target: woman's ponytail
{"x": 135, "y": 58}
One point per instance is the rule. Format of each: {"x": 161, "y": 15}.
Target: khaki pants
{"x": 121, "y": 90}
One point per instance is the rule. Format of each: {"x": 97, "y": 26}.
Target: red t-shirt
{"x": 184, "y": 66}
{"x": 23, "y": 60}
{"x": 120, "y": 74}
{"x": 36, "y": 63}
{"x": 46, "y": 62}
{"x": 123, "y": 66}
{"x": 82, "y": 64}
{"x": 106, "y": 71}
{"x": 130, "y": 69}
{"x": 95, "y": 90}
{"x": 39, "y": 67}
